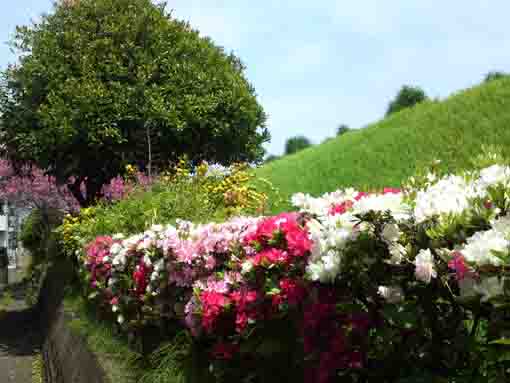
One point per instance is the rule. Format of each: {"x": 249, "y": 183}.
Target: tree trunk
{"x": 149, "y": 148}
{"x": 75, "y": 189}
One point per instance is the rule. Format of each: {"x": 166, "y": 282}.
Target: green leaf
{"x": 501, "y": 341}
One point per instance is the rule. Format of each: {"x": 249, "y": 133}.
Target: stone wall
{"x": 65, "y": 354}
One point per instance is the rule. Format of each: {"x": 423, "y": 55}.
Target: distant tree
{"x": 295, "y": 144}
{"x": 342, "y": 129}
{"x": 271, "y": 157}
{"x": 407, "y": 97}
{"x": 495, "y": 75}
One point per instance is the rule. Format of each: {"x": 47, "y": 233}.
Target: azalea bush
{"x": 207, "y": 192}
{"x": 399, "y": 285}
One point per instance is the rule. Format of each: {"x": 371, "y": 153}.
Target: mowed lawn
{"x": 388, "y": 152}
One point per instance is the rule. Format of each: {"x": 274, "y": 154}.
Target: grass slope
{"x": 389, "y": 151}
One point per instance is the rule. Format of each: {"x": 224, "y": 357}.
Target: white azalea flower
{"x": 391, "y": 294}
{"x": 490, "y": 287}
{"x": 424, "y": 264}
{"x": 450, "y": 195}
{"x": 159, "y": 265}
{"x": 479, "y": 246}
{"x": 391, "y": 233}
{"x": 383, "y": 202}
{"x": 147, "y": 260}
{"x": 398, "y": 253}
{"x": 115, "y": 249}
{"x": 246, "y": 267}
{"x": 154, "y": 276}
{"x": 493, "y": 175}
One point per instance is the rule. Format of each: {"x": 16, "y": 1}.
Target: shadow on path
{"x": 20, "y": 339}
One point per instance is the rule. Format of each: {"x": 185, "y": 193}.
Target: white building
{"x": 10, "y": 222}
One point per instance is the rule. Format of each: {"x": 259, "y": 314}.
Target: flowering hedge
{"x": 354, "y": 286}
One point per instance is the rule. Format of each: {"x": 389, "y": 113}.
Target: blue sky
{"x": 316, "y": 64}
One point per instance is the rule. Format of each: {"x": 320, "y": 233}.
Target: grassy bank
{"x": 389, "y": 151}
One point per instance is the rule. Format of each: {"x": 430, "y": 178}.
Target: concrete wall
{"x": 66, "y": 357}
{"x": 65, "y": 354}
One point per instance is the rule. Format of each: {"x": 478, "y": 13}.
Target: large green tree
{"x": 406, "y": 97}
{"x": 102, "y": 83}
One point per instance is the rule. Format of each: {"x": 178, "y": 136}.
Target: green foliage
{"x": 342, "y": 129}
{"x": 271, "y": 157}
{"x": 495, "y": 75}
{"x": 36, "y": 232}
{"x": 37, "y": 236}
{"x": 6, "y": 300}
{"x": 407, "y": 97}
{"x": 295, "y": 144}
{"x": 199, "y": 199}
{"x": 31, "y": 233}
{"x": 170, "y": 362}
{"x": 388, "y": 152}
{"x": 38, "y": 368}
{"x": 165, "y": 203}
{"x": 103, "y": 83}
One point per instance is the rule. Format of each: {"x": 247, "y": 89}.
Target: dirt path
{"x": 19, "y": 339}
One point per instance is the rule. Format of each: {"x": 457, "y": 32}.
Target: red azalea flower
{"x": 277, "y": 300}
{"x": 292, "y": 290}
{"x": 360, "y": 322}
{"x": 355, "y": 360}
{"x": 267, "y": 227}
{"x": 360, "y": 195}
{"x": 338, "y": 342}
{"x": 340, "y": 208}
{"x": 269, "y": 257}
{"x": 241, "y": 321}
{"x": 316, "y": 313}
{"x": 391, "y": 191}
{"x": 141, "y": 278}
{"x": 213, "y": 304}
{"x": 458, "y": 263}
{"x": 224, "y": 350}
{"x": 243, "y": 299}
{"x": 297, "y": 240}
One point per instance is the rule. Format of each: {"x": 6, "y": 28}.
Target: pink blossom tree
{"x": 120, "y": 187}
{"x": 32, "y": 188}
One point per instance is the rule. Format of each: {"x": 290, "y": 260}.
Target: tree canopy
{"x": 406, "y": 97}
{"x": 495, "y": 75}
{"x": 104, "y": 83}
{"x": 342, "y": 129}
{"x": 295, "y": 144}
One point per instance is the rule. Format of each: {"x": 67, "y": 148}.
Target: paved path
{"x": 19, "y": 339}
